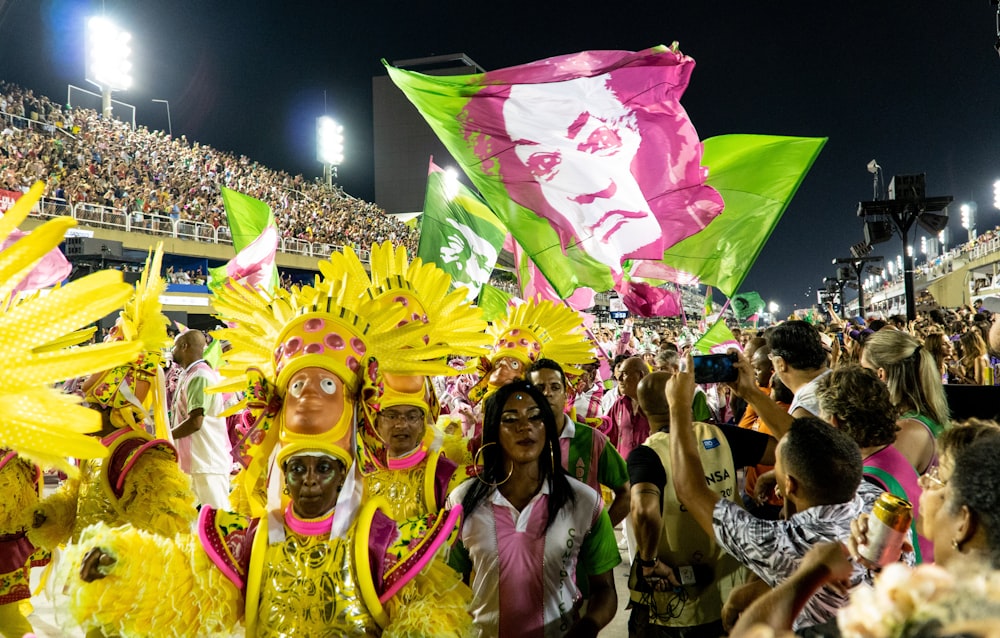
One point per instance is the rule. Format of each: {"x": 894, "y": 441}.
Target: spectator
{"x": 203, "y": 447}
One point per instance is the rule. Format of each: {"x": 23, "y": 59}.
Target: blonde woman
{"x": 915, "y": 388}
{"x": 975, "y": 363}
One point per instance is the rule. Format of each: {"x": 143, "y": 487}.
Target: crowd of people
{"x": 85, "y": 158}
{"x": 369, "y": 457}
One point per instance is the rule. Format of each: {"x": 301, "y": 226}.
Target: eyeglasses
{"x": 931, "y": 478}
{"x": 409, "y": 418}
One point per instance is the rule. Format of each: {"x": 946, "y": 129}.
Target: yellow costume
{"x": 418, "y": 483}
{"x": 369, "y": 582}
{"x": 139, "y": 482}
{"x": 302, "y": 356}
{"x": 19, "y": 481}
{"x": 40, "y": 424}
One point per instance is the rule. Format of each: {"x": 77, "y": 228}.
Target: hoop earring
{"x": 552, "y": 456}
{"x": 479, "y": 474}
{"x": 285, "y": 491}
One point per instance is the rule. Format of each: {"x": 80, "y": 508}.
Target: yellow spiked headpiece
{"x": 38, "y": 421}
{"x": 424, "y": 293}
{"x": 532, "y": 331}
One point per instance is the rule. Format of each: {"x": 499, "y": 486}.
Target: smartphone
{"x": 840, "y": 338}
{"x": 715, "y": 368}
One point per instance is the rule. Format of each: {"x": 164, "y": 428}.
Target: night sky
{"x": 914, "y": 85}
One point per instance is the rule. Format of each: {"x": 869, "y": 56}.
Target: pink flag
{"x": 253, "y": 266}
{"x": 50, "y": 270}
{"x": 588, "y": 158}
{"x": 648, "y": 301}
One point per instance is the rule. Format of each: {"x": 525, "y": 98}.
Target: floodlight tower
{"x": 969, "y": 218}
{"x": 108, "y": 65}
{"x": 329, "y": 147}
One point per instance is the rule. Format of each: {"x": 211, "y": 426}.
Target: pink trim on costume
{"x": 315, "y": 527}
{"x": 213, "y": 547}
{"x": 442, "y": 535}
{"x": 406, "y": 462}
{"x": 7, "y": 458}
{"x": 135, "y": 457}
{"x": 114, "y": 436}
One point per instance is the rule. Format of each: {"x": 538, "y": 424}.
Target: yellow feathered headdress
{"x": 424, "y": 292}
{"x": 136, "y": 390}
{"x": 532, "y": 331}
{"x": 329, "y": 326}
{"x": 36, "y": 420}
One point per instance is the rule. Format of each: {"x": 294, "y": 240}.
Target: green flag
{"x": 458, "y": 231}
{"x": 493, "y": 302}
{"x": 718, "y": 339}
{"x": 757, "y": 176}
{"x": 213, "y": 354}
{"x": 247, "y": 217}
{"x": 747, "y": 304}
{"x": 254, "y": 263}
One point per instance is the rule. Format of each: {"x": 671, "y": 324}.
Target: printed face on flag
{"x": 472, "y": 255}
{"x": 580, "y": 153}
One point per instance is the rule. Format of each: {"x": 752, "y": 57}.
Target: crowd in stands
{"x": 87, "y": 158}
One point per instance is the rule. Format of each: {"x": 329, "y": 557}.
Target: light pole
{"x": 329, "y": 147}
{"x": 857, "y": 268}
{"x": 969, "y": 218}
{"x": 170, "y": 126}
{"x": 108, "y": 66}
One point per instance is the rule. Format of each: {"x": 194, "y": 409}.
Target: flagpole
{"x": 684, "y": 318}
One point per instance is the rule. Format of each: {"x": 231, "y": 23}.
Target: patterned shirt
{"x": 773, "y": 549}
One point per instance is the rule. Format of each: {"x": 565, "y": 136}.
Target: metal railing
{"x": 98, "y": 216}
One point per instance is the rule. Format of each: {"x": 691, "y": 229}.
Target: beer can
{"x": 888, "y": 525}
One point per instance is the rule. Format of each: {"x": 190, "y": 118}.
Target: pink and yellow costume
{"x": 417, "y": 483}
{"x": 352, "y": 572}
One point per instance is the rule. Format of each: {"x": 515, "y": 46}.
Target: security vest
{"x": 684, "y": 542}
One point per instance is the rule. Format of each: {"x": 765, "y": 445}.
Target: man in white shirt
{"x": 203, "y": 447}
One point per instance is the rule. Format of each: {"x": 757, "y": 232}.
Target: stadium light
{"x": 450, "y": 183}
{"x": 996, "y": 194}
{"x": 108, "y": 65}
{"x": 329, "y": 146}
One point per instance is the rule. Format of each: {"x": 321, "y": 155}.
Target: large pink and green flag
{"x": 458, "y": 231}
{"x": 757, "y": 176}
{"x": 255, "y": 238}
{"x": 589, "y": 159}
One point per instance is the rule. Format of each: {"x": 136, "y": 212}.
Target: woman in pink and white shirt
{"x": 531, "y": 532}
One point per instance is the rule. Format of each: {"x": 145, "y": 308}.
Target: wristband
{"x": 647, "y": 563}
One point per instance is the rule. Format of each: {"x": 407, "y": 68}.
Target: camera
{"x": 715, "y": 368}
